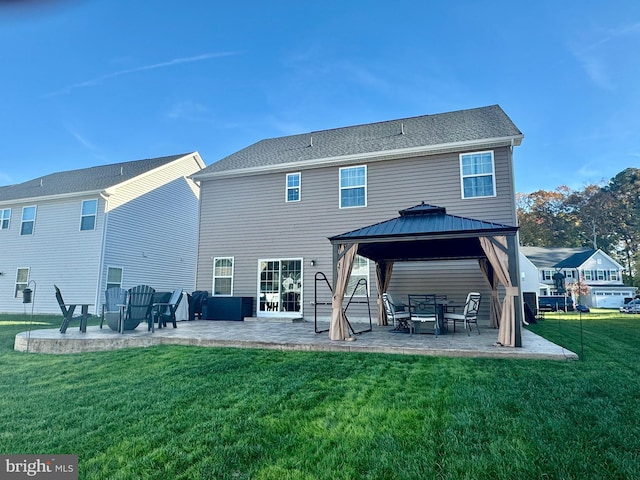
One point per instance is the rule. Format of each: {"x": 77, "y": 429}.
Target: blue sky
{"x": 90, "y": 82}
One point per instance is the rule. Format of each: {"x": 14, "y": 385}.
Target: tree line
{"x": 605, "y": 216}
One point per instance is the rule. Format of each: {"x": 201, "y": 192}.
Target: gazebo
{"x": 427, "y": 233}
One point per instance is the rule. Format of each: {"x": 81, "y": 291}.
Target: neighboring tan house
{"x": 85, "y": 230}
{"x": 268, "y": 210}
{"x": 601, "y": 273}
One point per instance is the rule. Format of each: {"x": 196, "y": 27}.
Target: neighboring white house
{"x": 601, "y": 273}
{"x": 85, "y": 230}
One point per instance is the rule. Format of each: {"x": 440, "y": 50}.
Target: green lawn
{"x": 174, "y": 412}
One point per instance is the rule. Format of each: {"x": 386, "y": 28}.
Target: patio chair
{"x": 397, "y": 314}
{"x": 469, "y": 315}
{"x": 163, "y": 312}
{"x": 198, "y": 304}
{"x": 424, "y": 310}
{"x": 68, "y": 310}
{"x": 138, "y": 307}
{"x": 112, "y": 309}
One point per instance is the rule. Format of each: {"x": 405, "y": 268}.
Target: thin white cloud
{"x": 594, "y": 60}
{"x": 188, "y": 110}
{"x": 101, "y": 79}
{"x": 82, "y": 140}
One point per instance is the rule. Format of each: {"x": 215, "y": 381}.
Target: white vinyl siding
{"x": 293, "y": 187}
{"x": 88, "y": 214}
{"x": 5, "y": 217}
{"x": 152, "y": 229}
{"x": 223, "y": 276}
{"x": 353, "y": 187}
{"x": 28, "y": 220}
{"x": 147, "y": 227}
{"x": 477, "y": 174}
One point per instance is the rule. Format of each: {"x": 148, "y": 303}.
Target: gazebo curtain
{"x": 338, "y": 329}
{"x": 383, "y": 278}
{"x": 495, "y": 308}
{"x": 495, "y": 248}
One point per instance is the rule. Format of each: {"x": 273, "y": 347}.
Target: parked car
{"x": 582, "y": 308}
{"x": 632, "y": 307}
{"x": 554, "y": 303}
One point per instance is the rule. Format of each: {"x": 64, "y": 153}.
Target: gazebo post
{"x": 514, "y": 274}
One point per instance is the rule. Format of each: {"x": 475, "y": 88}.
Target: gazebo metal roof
{"x": 423, "y": 232}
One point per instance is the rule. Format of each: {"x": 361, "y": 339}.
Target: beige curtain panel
{"x": 495, "y": 248}
{"x": 383, "y": 279}
{"x": 338, "y": 329}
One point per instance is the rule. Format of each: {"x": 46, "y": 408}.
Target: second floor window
{"x": 5, "y": 216}
{"x": 477, "y": 175}
{"x": 353, "y": 187}
{"x": 293, "y": 187}
{"x": 88, "y": 216}
{"x": 28, "y": 220}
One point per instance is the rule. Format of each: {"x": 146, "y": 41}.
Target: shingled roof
{"x": 548, "y": 257}
{"x": 489, "y": 125}
{"x": 83, "y": 180}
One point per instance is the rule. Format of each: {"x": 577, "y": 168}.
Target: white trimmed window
{"x": 88, "y": 214}
{"x": 547, "y": 275}
{"x": 353, "y": 187}
{"x": 613, "y": 274}
{"x": 588, "y": 274}
{"x": 477, "y": 175}
{"x": 22, "y": 279}
{"x": 293, "y": 187}
{"x": 5, "y": 216}
{"x": 114, "y": 277}
{"x": 28, "y": 220}
{"x": 360, "y": 271}
{"x": 223, "y": 276}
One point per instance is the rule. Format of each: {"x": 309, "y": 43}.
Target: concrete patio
{"x": 297, "y": 336}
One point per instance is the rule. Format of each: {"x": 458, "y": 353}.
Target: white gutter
{"x": 101, "y": 271}
{"x": 368, "y": 156}
{"x": 87, "y": 193}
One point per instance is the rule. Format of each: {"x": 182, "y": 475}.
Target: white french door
{"x": 279, "y": 286}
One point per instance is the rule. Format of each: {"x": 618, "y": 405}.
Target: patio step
{"x": 274, "y": 319}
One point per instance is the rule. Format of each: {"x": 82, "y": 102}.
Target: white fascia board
{"x": 366, "y": 156}
{"x": 86, "y": 193}
{"x": 195, "y": 155}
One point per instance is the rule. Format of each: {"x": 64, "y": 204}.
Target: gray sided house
{"x": 594, "y": 268}
{"x": 267, "y": 212}
{"x": 84, "y": 230}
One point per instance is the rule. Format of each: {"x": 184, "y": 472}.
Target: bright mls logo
{"x": 50, "y": 467}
